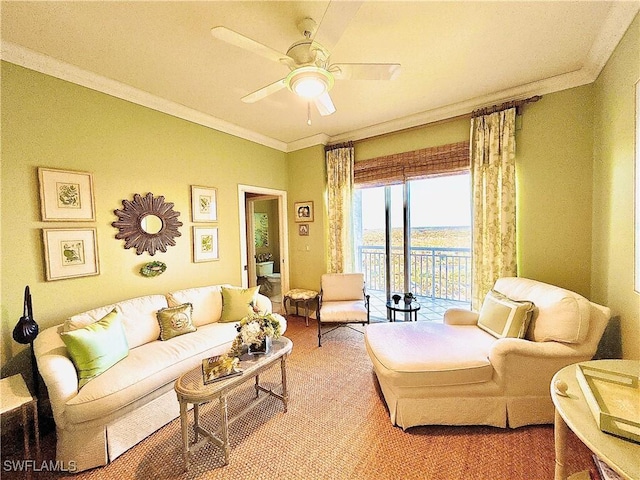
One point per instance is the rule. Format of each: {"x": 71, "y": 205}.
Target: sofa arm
{"x": 460, "y": 316}
{"x": 57, "y": 371}
{"x": 524, "y": 367}
{"x": 264, "y": 304}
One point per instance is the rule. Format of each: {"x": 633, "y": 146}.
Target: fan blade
{"x": 365, "y": 71}
{"x": 264, "y": 91}
{"x": 334, "y": 22}
{"x": 324, "y": 104}
{"x": 239, "y": 40}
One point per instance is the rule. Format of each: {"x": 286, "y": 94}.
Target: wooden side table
{"x": 300, "y": 295}
{"x": 14, "y": 396}
{"x": 572, "y": 412}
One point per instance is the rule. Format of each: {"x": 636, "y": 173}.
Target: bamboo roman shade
{"x": 414, "y": 165}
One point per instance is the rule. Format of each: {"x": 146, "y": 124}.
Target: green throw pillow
{"x": 503, "y": 317}
{"x": 97, "y": 347}
{"x": 175, "y": 321}
{"x": 237, "y": 303}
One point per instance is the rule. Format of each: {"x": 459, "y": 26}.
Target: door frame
{"x": 247, "y": 249}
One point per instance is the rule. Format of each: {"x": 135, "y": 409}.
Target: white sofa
{"x": 122, "y": 406}
{"x": 455, "y": 373}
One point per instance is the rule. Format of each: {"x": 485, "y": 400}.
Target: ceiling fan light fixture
{"x": 309, "y": 82}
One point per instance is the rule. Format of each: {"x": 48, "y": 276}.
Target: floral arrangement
{"x": 254, "y": 329}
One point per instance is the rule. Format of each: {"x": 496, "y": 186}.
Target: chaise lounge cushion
{"x": 138, "y": 318}
{"x": 560, "y": 315}
{"x": 411, "y": 358}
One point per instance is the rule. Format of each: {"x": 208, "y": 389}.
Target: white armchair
{"x": 343, "y": 300}
{"x": 455, "y": 373}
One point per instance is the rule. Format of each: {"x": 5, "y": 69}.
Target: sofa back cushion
{"x": 138, "y": 317}
{"x": 337, "y": 287}
{"x": 206, "y": 301}
{"x": 560, "y": 315}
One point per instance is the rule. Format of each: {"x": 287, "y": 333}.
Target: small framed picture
{"x": 70, "y": 252}
{"x": 303, "y": 229}
{"x": 205, "y": 244}
{"x": 66, "y": 195}
{"x": 204, "y": 204}
{"x": 303, "y": 211}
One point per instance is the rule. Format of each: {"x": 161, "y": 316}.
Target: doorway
{"x": 264, "y": 233}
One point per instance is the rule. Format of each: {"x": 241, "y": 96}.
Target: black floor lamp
{"x": 25, "y": 332}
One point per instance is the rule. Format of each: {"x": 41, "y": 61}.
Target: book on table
{"x": 219, "y": 367}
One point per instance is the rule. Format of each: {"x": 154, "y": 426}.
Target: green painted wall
{"x": 432, "y": 135}
{"x": 307, "y": 181}
{"x": 554, "y": 146}
{"x": 129, "y": 149}
{"x": 612, "y": 259}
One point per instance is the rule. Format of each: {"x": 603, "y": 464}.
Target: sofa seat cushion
{"x": 146, "y": 369}
{"x": 343, "y": 311}
{"x": 138, "y": 318}
{"x": 424, "y": 354}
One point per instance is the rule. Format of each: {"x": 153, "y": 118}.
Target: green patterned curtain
{"x": 339, "y": 188}
{"x": 493, "y": 148}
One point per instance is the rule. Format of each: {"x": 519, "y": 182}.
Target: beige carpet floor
{"x": 337, "y": 427}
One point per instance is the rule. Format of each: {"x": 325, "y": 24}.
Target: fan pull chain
{"x": 309, "y": 113}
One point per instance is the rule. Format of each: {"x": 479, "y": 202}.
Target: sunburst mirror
{"x": 147, "y": 224}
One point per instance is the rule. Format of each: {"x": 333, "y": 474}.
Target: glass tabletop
{"x": 403, "y": 307}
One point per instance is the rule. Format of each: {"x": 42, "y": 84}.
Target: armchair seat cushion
{"x": 344, "y": 311}
{"x": 424, "y": 354}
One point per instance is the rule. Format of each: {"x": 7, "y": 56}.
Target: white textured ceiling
{"x": 455, "y": 56}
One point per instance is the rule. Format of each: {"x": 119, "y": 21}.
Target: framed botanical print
{"x": 70, "y": 252}
{"x": 205, "y": 244}
{"x": 66, "y": 195}
{"x": 303, "y": 211}
{"x": 204, "y": 204}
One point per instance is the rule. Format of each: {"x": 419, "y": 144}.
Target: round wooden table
{"x": 572, "y": 411}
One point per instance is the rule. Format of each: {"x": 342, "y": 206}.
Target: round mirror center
{"x": 151, "y": 224}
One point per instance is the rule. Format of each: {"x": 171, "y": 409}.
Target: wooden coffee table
{"x": 190, "y": 389}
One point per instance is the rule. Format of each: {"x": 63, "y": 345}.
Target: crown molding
{"x": 319, "y": 139}
{"x": 621, "y": 13}
{"x": 542, "y": 87}
{"x": 27, "y": 58}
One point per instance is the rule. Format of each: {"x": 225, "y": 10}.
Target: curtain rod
{"x": 517, "y": 104}
{"x": 475, "y": 113}
{"x": 335, "y": 146}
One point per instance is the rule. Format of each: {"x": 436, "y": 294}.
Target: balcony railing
{"x": 435, "y": 272}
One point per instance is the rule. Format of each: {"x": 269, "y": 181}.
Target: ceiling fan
{"x": 311, "y": 75}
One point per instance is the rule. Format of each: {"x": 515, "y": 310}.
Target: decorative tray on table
{"x": 614, "y": 400}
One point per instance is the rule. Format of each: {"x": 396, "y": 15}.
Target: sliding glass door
{"x": 416, "y": 237}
